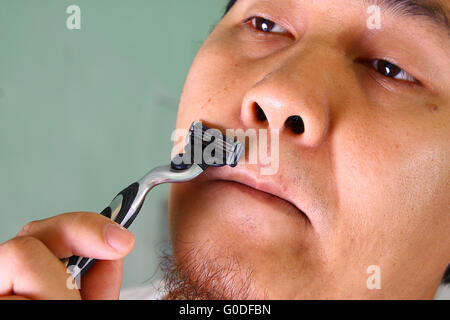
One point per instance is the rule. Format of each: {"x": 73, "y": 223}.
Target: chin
{"x": 221, "y": 225}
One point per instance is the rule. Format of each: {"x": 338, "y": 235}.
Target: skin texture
{"x": 370, "y": 172}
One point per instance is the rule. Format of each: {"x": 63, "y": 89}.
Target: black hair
{"x": 446, "y": 278}
{"x": 229, "y": 5}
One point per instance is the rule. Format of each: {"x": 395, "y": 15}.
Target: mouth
{"x": 257, "y": 187}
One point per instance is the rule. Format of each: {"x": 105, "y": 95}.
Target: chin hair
{"x": 203, "y": 274}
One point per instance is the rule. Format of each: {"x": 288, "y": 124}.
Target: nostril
{"x": 260, "y": 115}
{"x": 295, "y": 123}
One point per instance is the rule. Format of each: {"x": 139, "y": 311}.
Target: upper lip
{"x": 269, "y": 185}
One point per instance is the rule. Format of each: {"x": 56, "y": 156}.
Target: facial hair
{"x": 201, "y": 275}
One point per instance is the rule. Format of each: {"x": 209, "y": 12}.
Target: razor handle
{"x": 120, "y": 210}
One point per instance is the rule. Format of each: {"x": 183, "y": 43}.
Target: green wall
{"x": 83, "y": 113}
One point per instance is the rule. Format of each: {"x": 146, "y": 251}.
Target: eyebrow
{"x": 431, "y": 10}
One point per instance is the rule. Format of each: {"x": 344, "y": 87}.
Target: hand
{"x": 30, "y": 265}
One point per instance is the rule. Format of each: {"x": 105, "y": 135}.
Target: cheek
{"x": 392, "y": 185}
{"x": 215, "y": 78}
{"x": 389, "y": 175}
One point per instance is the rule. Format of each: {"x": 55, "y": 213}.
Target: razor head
{"x": 208, "y": 147}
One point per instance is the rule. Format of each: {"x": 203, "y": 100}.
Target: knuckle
{"x": 26, "y": 229}
{"x": 22, "y": 247}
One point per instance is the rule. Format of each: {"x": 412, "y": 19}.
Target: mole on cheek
{"x": 433, "y": 107}
{"x": 206, "y": 104}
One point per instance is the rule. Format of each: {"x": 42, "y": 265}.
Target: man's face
{"x": 365, "y": 184}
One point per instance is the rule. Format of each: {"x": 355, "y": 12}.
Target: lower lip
{"x": 287, "y": 207}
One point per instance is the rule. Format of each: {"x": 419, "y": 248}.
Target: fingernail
{"x": 119, "y": 238}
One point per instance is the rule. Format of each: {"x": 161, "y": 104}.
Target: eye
{"x": 390, "y": 70}
{"x": 265, "y": 25}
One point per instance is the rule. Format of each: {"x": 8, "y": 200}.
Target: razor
{"x": 205, "y": 147}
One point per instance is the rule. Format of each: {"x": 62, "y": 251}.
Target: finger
{"x": 13, "y": 298}
{"x": 29, "y": 269}
{"x": 102, "y": 281}
{"x": 83, "y": 234}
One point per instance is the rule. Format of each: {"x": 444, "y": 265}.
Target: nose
{"x": 291, "y": 101}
